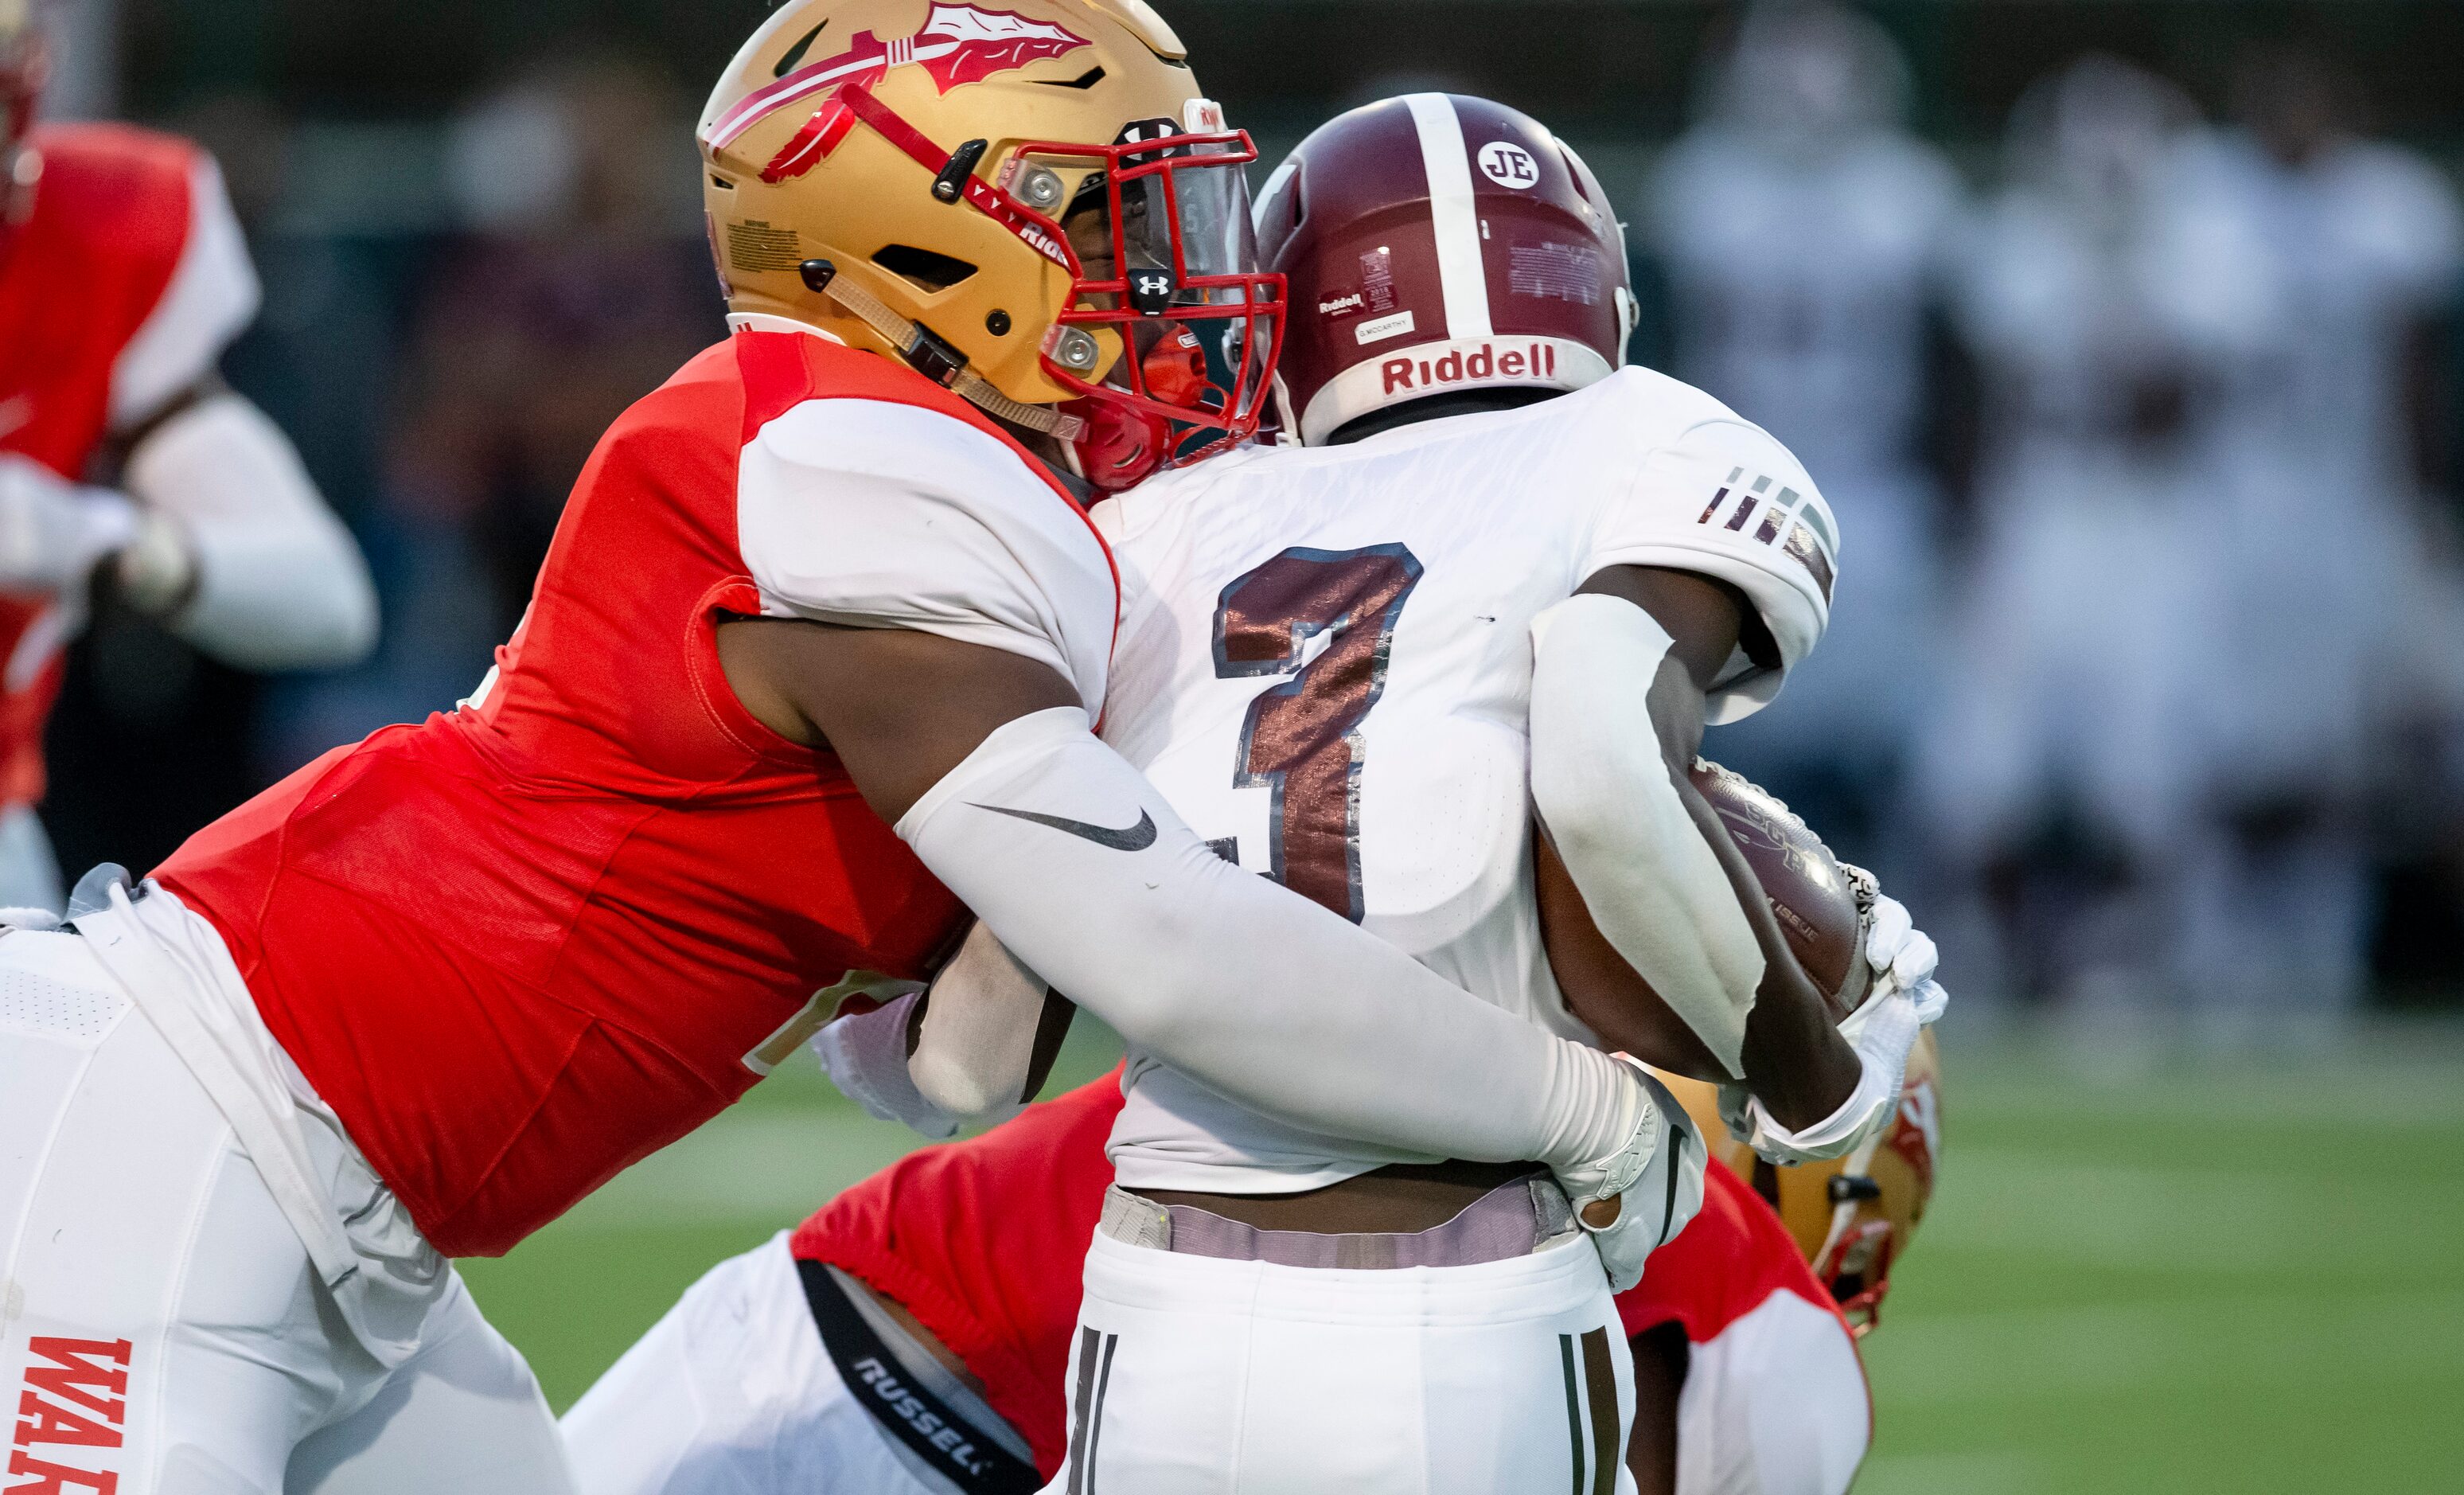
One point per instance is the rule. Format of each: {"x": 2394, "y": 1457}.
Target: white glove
{"x": 976, "y": 1050}
{"x": 1656, "y": 1179}
{"x": 52, "y": 531}
{"x": 158, "y": 570}
{"x": 1902, "y": 957}
{"x": 866, "y": 1055}
{"x": 1905, "y": 1000}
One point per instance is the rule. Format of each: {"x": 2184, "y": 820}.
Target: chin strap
{"x": 933, "y": 357}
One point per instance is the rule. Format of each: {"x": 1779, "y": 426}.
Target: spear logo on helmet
{"x": 957, "y": 44}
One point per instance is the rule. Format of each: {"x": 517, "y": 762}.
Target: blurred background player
{"x": 2059, "y": 772}
{"x": 913, "y": 1336}
{"x": 2328, "y": 429}
{"x": 581, "y": 276}
{"x": 122, "y": 278}
{"x": 1801, "y": 230}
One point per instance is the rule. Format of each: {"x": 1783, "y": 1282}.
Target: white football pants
{"x": 163, "y": 1332}
{"x": 1194, "y": 1376}
{"x": 1775, "y": 1404}
{"x": 732, "y": 1394}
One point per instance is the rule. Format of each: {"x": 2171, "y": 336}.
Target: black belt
{"x": 879, "y": 1381}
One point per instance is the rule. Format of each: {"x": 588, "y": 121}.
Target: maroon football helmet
{"x": 1437, "y": 244}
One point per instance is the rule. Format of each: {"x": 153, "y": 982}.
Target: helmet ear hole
{"x": 793, "y": 57}
{"x": 922, "y": 268}
{"x": 1082, "y": 82}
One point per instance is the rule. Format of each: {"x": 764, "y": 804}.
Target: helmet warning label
{"x": 1378, "y": 280}
{"x": 1560, "y": 272}
{"x": 754, "y": 247}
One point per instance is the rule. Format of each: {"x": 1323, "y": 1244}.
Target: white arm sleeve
{"x": 880, "y": 514}
{"x": 280, "y": 584}
{"x": 212, "y": 295}
{"x": 1653, "y": 885}
{"x": 1081, "y": 868}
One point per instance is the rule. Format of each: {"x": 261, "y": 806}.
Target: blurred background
{"x": 2121, "y": 335}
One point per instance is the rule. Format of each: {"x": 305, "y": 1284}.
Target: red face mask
{"x": 1177, "y": 211}
{"x": 1125, "y": 443}
{"x": 1180, "y": 271}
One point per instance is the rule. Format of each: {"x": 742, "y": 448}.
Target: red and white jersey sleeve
{"x": 1775, "y": 1401}
{"x": 1712, "y": 494}
{"x": 211, "y": 297}
{"x": 874, "y": 513}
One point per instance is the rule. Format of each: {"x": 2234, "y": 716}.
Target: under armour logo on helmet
{"x": 1151, "y": 291}
{"x": 1139, "y": 131}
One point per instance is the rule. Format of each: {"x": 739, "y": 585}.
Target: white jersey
{"x": 1325, "y": 663}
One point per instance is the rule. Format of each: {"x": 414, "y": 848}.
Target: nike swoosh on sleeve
{"x": 1129, "y": 837}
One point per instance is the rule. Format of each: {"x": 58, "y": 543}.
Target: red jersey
{"x": 985, "y": 1243}
{"x": 519, "y": 946}
{"x": 1726, "y": 1263}
{"x": 118, "y": 291}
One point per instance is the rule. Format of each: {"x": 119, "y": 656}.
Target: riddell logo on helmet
{"x": 1342, "y": 305}
{"x": 1537, "y": 361}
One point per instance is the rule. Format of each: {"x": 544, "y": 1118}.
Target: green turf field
{"x": 2245, "y": 1278}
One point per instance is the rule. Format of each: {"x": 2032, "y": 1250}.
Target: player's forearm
{"x": 1880, "y": 1033}
{"x": 1620, "y": 817}
{"x": 1792, "y": 1056}
{"x": 243, "y": 557}
{"x": 1083, "y": 870}
{"x": 1616, "y": 723}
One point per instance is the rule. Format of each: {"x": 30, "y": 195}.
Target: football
{"x": 1809, "y": 892}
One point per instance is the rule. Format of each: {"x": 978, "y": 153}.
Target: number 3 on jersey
{"x": 1301, "y": 739}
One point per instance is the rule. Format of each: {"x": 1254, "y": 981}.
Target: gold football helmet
{"x": 1027, "y": 200}
{"x": 1852, "y": 1217}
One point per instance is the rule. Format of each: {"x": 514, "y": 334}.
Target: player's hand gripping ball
{"x": 1812, "y": 894}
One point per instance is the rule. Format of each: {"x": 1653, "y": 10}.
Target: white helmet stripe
{"x": 1461, "y": 269}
